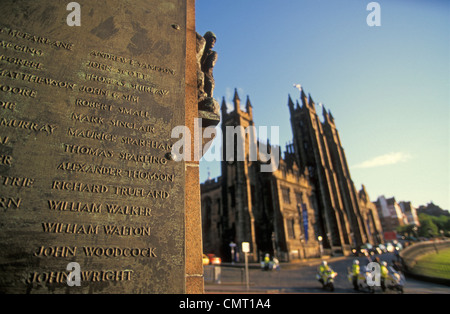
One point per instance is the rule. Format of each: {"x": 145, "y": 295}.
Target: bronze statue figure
{"x": 209, "y": 108}
{"x": 208, "y": 62}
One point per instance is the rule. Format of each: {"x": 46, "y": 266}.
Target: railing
{"x": 215, "y": 274}
{"x": 414, "y": 266}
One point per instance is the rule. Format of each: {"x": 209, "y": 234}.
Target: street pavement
{"x": 299, "y": 277}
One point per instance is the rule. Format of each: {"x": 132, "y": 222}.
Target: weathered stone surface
{"x": 85, "y": 124}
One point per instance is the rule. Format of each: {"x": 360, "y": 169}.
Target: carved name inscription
{"x": 14, "y": 90}
{"x": 103, "y": 189}
{"x": 7, "y": 202}
{"x": 8, "y": 105}
{"x": 21, "y": 62}
{"x": 51, "y": 227}
{"x": 28, "y": 125}
{"x": 21, "y": 48}
{"x": 136, "y": 63}
{"x": 16, "y": 181}
{"x": 98, "y": 208}
{"x": 115, "y": 172}
{"x": 35, "y": 39}
{"x": 86, "y": 276}
{"x": 36, "y": 79}
{"x": 95, "y": 251}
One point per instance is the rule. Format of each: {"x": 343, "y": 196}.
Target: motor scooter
{"x": 358, "y": 282}
{"x": 327, "y": 279}
{"x": 395, "y": 281}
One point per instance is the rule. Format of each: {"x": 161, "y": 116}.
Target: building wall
{"x": 410, "y": 212}
{"x": 284, "y": 212}
{"x": 370, "y": 217}
{"x": 212, "y": 228}
{"x": 318, "y": 148}
{"x": 391, "y": 214}
{"x": 296, "y": 214}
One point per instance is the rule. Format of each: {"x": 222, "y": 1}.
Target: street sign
{"x": 245, "y": 247}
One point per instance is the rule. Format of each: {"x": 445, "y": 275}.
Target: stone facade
{"x": 394, "y": 214}
{"x": 318, "y": 148}
{"x": 390, "y": 213}
{"x": 370, "y": 216}
{"x": 410, "y": 212}
{"x": 284, "y": 212}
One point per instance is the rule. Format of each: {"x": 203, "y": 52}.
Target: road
{"x": 300, "y": 278}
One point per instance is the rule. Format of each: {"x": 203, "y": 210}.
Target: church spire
{"x": 237, "y": 101}
{"x": 331, "y": 117}
{"x": 311, "y": 103}
{"x": 248, "y": 106}
{"x": 324, "y": 112}
{"x": 224, "y": 106}
{"x": 310, "y": 100}
{"x": 303, "y": 98}
{"x": 290, "y": 103}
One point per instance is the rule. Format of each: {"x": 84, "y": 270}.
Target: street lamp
{"x": 329, "y": 241}
{"x": 246, "y": 250}
{"x": 320, "y": 245}
{"x": 302, "y": 241}
{"x": 274, "y": 245}
{"x": 232, "y": 246}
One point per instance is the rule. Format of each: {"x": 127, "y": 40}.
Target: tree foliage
{"x": 430, "y": 226}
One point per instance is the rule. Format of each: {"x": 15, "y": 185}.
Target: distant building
{"x": 390, "y": 213}
{"x": 370, "y": 216}
{"x": 410, "y": 212}
{"x": 284, "y": 213}
{"x": 318, "y": 148}
{"x": 433, "y": 210}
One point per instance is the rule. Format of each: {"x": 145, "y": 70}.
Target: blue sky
{"x": 387, "y": 86}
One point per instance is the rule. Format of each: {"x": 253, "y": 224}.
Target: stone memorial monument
{"x": 90, "y": 198}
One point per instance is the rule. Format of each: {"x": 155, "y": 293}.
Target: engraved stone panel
{"x": 86, "y": 114}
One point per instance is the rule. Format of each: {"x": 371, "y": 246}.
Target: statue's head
{"x": 210, "y": 38}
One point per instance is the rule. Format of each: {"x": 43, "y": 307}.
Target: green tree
{"x": 442, "y": 222}
{"x": 406, "y": 230}
{"x": 430, "y": 226}
{"x": 427, "y": 226}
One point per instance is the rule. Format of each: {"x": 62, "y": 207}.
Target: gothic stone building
{"x": 310, "y": 196}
